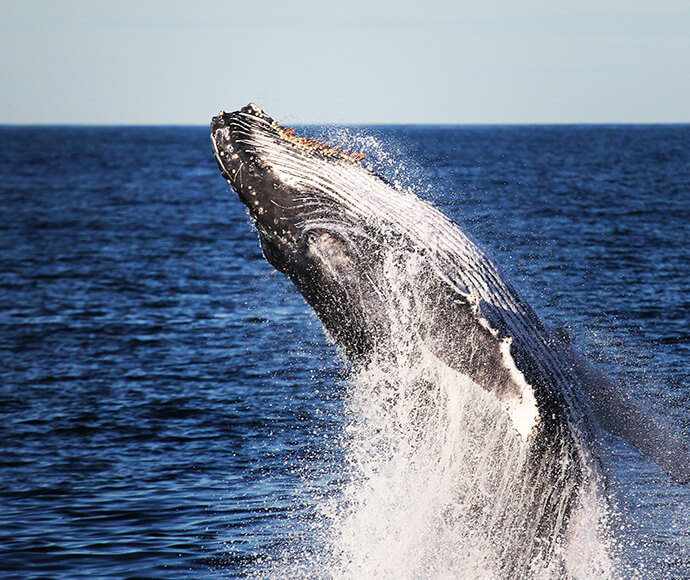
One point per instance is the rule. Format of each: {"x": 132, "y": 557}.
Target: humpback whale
{"x": 386, "y": 273}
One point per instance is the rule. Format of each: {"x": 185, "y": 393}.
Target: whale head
{"x": 297, "y": 192}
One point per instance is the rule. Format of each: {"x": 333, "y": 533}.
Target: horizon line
{"x": 360, "y": 124}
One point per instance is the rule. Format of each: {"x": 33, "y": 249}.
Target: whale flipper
{"x": 619, "y": 414}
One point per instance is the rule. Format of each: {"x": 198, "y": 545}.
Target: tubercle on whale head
{"x": 319, "y": 147}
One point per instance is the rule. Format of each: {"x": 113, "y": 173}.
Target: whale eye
{"x": 311, "y": 238}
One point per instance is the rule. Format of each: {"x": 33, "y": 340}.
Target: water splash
{"x": 425, "y": 463}
{"x": 437, "y": 476}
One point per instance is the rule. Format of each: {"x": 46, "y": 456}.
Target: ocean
{"x": 170, "y": 406}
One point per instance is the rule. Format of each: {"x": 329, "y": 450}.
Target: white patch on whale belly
{"x": 522, "y": 410}
{"x": 522, "y": 406}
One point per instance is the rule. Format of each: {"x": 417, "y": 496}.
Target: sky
{"x": 355, "y": 62}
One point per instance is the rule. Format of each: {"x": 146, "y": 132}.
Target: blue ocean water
{"x": 170, "y": 407}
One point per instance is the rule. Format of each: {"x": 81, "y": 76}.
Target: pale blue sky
{"x": 352, "y": 61}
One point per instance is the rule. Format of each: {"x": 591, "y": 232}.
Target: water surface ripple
{"x": 169, "y": 407}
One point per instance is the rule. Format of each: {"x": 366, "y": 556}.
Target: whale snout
{"x": 239, "y": 163}
{"x": 241, "y": 143}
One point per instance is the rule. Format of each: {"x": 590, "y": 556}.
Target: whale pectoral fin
{"x": 620, "y": 415}
{"x": 463, "y": 339}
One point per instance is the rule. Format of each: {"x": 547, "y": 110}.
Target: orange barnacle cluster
{"x": 316, "y": 146}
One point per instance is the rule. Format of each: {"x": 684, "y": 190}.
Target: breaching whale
{"x": 380, "y": 267}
